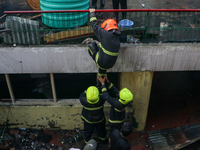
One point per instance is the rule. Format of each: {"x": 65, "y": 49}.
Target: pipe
{"x": 5, "y": 30}
{"x": 104, "y": 10}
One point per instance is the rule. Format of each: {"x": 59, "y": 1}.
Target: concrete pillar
{"x": 139, "y": 83}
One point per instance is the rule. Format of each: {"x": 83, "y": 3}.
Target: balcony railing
{"x": 73, "y": 26}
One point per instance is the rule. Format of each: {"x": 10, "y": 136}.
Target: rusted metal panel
{"x": 174, "y": 138}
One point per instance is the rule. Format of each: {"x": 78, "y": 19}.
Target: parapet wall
{"x": 75, "y": 59}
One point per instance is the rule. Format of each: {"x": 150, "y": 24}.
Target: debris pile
{"x": 31, "y": 139}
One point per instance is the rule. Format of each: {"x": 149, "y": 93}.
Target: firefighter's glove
{"x": 87, "y": 41}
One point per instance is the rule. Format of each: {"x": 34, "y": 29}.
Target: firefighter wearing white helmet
{"x": 92, "y": 114}
{"x": 118, "y": 104}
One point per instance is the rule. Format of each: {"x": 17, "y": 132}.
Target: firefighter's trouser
{"x": 93, "y": 49}
{"x": 114, "y": 126}
{"x": 100, "y": 129}
{"x": 123, "y": 4}
{"x": 94, "y": 4}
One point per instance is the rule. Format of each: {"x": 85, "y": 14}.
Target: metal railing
{"x": 73, "y": 26}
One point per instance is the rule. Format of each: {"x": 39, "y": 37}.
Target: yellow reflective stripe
{"x": 96, "y": 108}
{"x": 107, "y": 52}
{"x": 101, "y": 74}
{"x": 116, "y": 121}
{"x": 92, "y": 19}
{"x": 90, "y": 50}
{"x": 104, "y": 89}
{"x": 119, "y": 110}
{"x": 85, "y": 141}
{"x": 96, "y": 59}
{"x": 110, "y": 86}
{"x": 91, "y": 122}
{"x": 102, "y": 138}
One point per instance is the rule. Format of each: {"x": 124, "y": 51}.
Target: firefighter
{"x": 92, "y": 114}
{"x": 118, "y": 104}
{"x": 104, "y": 51}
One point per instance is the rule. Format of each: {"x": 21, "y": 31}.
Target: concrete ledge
{"x": 75, "y": 59}
{"x": 55, "y": 116}
{"x": 45, "y": 102}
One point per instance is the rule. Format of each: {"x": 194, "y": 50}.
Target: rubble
{"x": 32, "y": 139}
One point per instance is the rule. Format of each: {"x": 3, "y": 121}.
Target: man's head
{"x": 126, "y": 129}
{"x": 125, "y": 96}
{"x": 92, "y": 94}
{"x": 109, "y": 24}
{"x": 91, "y": 145}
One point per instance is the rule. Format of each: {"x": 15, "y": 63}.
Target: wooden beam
{"x": 10, "y": 88}
{"x": 53, "y": 87}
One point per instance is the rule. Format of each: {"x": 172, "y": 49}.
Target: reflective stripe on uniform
{"x": 91, "y": 122}
{"x": 96, "y": 108}
{"x": 107, "y": 52}
{"x": 96, "y": 59}
{"x": 104, "y": 89}
{"x": 102, "y": 75}
{"x": 90, "y": 50}
{"x": 119, "y": 110}
{"x": 102, "y": 138}
{"x": 116, "y": 121}
{"x": 92, "y": 19}
{"x": 110, "y": 86}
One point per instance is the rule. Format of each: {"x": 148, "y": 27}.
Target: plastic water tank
{"x": 64, "y": 20}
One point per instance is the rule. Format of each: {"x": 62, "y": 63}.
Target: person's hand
{"x": 92, "y": 10}
{"x": 102, "y": 80}
{"x": 109, "y": 142}
{"x": 106, "y": 79}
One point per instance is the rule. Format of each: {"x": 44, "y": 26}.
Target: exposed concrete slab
{"x": 75, "y": 59}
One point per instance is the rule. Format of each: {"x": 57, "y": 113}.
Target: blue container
{"x": 64, "y": 20}
{"x": 126, "y": 23}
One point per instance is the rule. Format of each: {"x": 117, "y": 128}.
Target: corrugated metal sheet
{"x": 174, "y": 138}
{"x": 23, "y": 31}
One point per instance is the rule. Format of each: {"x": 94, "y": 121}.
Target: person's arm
{"x": 112, "y": 101}
{"x": 98, "y": 31}
{"x": 82, "y": 97}
{"x": 112, "y": 88}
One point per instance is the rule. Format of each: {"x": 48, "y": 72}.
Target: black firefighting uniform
{"x": 117, "y": 111}
{"x": 106, "y": 51}
{"x": 93, "y": 117}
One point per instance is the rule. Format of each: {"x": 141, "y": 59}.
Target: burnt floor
{"x": 174, "y": 102}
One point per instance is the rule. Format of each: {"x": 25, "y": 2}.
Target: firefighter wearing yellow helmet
{"x": 118, "y": 104}
{"x": 92, "y": 114}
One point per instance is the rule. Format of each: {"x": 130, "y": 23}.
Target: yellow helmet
{"x": 92, "y": 94}
{"x": 125, "y": 96}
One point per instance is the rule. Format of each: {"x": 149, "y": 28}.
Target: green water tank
{"x": 64, "y": 20}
